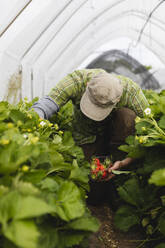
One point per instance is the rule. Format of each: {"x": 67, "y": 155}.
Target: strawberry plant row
{"x": 43, "y": 182}
{"x": 142, "y": 192}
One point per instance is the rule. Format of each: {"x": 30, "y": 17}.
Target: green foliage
{"x": 44, "y": 178}
{"x": 162, "y": 245}
{"x": 64, "y": 116}
{"x": 22, "y": 233}
{"x": 137, "y": 194}
{"x": 143, "y": 190}
{"x": 69, "y": 204}
{"x": 43, "y": 181}
{"x": 161, "y": 224}
{"x": 86, "y": 223}
{"x": 125, "y": 218}
{"x": 158, "y": 177}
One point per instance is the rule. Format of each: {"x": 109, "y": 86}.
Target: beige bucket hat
{"x": 103, "y": 92}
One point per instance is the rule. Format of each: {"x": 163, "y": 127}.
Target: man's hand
{"x": 116, "y": 166}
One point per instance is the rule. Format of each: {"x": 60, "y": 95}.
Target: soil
{"x": 108, "y": 236}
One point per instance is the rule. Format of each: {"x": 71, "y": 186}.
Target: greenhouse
{"x": 82, "y": 124}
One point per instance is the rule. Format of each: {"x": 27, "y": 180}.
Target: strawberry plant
{"x": 142, "y": 193}
{"x": 43, "y": 182}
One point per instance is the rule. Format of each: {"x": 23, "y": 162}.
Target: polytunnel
{"x": 82, "y": 162}
{"x": 42, "y": 41}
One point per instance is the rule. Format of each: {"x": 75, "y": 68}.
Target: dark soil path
{"x": 108, "y": 236}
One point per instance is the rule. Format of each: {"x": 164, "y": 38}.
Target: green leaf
{"x": 31, "y": 206}
{"x": 34, "y": 176}
{"x": 6, "y": 243}
{"x": 4, "y": 110}
{"x": 78, "y": 153}
{"x": 136, "y": 194}
{"x": 49, "y": 184}
{"x": 162, "y": 245}
{"x": 69, "y": 239}
{"x": 64, "y": 116}
{"x": 130, "y": 191}
{"x": 56, "y": 158}
{"x": 57, "y": 139}
{"x": 145, "y": 221}
{"x": 79, "y": 174}
{"x": 23, "y": 233}
{"x": 85, "y": 224}
{"x": 161, "y": 122}
{"x": 162, "y": 104}
{"x": 134, "y": 151}
{"x": 150, "y": 165}
{"x": 149, "y": 229}
{"x": 7, "y": 159}
{"x": 17, "y": 115}
{"x": 69, "y": 202}
{"x": 161, "y": 224}
{"x": 118, "y": 172}
{"x": 130, "y": 140}
{"x": 162, "y": 93}
{"x": 140, "y": 125}
{"x": 124, "y": 148}
{"x": 23, "y": 207}
{"x": 125, "y": 218}
{"x": 163, "y": 200}
{"x": 27, "y": 188}
{"x": 7, "y": 208}
{"x": 68, "y": 139}
{"x": 10, "y": 158}
{"x": 49, "y": 237}
{"x": 3, "y": 127}
{"x": 158, "y": 177}
{"x": 3, "y": 190}
{"x": 61, "y": 167}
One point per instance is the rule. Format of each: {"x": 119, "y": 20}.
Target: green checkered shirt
{"x": 72, "y": 88}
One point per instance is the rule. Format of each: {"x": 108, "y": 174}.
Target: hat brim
{"x": 92, "y": 110}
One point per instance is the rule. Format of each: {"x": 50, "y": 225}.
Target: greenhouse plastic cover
{"x": 42, "y": 41}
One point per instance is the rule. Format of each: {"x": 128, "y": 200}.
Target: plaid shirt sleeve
{"x": 72, "y": 86}
{"x": 132, "y": 96}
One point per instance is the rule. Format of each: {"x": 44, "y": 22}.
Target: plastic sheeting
{"x": 41, "y": 41}
{"x": 119, "y": 62}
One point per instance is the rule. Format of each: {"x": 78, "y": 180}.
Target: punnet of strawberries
{"x": 99, "y": 170}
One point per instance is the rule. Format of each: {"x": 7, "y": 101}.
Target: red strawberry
{"x": 104, "y": 174}
{"x": 102, "y": 167}
{"x": 97, "y": 161}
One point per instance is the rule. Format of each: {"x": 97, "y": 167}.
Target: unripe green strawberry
{"x": 99, "y": 173}
{"x": 93, "y": 176}
{"x": 93, "y": 167}
{"x": 107, "y": 162}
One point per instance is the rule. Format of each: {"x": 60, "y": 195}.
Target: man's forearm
{"x": 126, "y": 161}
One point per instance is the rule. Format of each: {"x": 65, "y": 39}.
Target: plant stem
{"x": 145, "y": 240}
